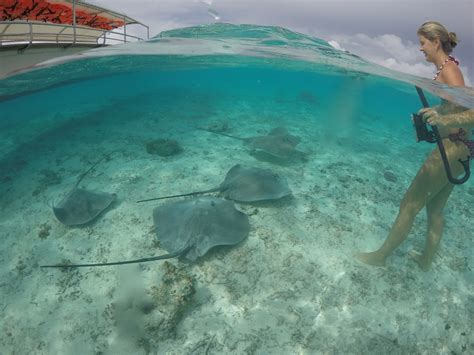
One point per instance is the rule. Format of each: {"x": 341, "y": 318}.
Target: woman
{"x": 430, "y": 186}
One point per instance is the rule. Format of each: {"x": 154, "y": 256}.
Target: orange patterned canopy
{"x": 57, "y": 11}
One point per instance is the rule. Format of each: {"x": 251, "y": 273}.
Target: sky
{"x": 381, "y": 31}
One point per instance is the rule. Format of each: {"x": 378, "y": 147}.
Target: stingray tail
{"x": 83, "y": 175}
{"x": 222, "y": 134}
{"x": 181, "y": 195}
{"x": 136, "y": 261}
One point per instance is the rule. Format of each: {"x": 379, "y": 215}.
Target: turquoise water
{"x": 293, "y": 285}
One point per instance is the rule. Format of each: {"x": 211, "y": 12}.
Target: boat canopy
{"x": 72, "y": 12}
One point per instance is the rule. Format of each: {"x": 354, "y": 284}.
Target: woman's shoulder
{"x": 452, "y": 75}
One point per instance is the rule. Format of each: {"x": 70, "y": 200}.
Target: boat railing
{"x": 38, "y": 32}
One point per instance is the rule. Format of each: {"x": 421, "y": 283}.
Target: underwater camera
{"x": 423, "y": 133}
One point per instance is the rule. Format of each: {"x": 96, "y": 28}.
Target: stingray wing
{"x": 273, "y": 145}
{"x": 81, "y": 206}
{"x": 201, "y": 223}
{"x": 249, "y": 184}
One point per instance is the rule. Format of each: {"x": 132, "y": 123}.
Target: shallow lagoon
{"x": 293, "y": 285}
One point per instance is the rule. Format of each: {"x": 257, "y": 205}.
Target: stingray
{"x": 277, "y": 143}
{"x": 191, "y": 228}
{"x": 245, "y": 184}
{"x": 81, "y": 206}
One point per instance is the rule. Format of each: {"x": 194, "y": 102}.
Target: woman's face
{"x": 429, "y": 48}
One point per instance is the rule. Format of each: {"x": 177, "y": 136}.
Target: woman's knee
{"x": 410, "y": 207}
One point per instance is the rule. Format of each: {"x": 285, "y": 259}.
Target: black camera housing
{"x": 423, "y": 133}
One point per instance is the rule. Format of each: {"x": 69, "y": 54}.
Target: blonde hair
{"x": 432, "y": 30}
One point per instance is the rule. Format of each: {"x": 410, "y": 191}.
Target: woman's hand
{"x": 432, "y": 117}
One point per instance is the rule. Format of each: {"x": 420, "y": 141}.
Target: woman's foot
{"x": 373, "y": 258}
{"x": 422, "y": 262}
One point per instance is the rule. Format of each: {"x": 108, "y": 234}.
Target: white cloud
{"x": 467, "y": 75}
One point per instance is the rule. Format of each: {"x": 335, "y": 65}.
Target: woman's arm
{"x": 453, "y": 120}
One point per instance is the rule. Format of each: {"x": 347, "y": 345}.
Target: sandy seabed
{"x": 292, "y": 287}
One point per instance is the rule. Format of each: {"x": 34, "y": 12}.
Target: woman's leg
{"x": 429, "y": 181}
{"x": 434, "y": 211}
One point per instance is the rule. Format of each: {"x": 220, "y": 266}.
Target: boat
{"x": 33, "y": 31}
